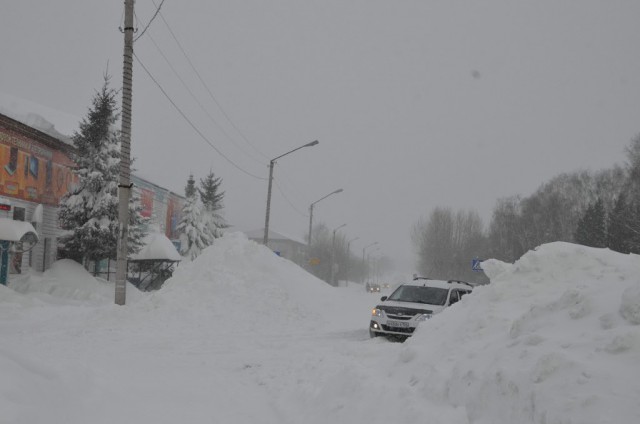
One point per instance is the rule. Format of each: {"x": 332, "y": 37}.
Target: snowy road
{"x": 242, "y": 336}
{"x": 93, "y": 366}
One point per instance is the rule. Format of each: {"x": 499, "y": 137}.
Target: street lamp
{"x": 311, "y": 212}
{"x": 346, "y": 272}
{"x": 349, "y": 244}
{"x": 265, "y": 241}
{"x": 364, "y": 249}
{"x": 333, "y": 249}
{"x": 375, "y": 270}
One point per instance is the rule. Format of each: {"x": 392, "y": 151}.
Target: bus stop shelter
{"x": 154, "y": 264}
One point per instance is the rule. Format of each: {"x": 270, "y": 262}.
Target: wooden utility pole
{"x": 124, "y": 186}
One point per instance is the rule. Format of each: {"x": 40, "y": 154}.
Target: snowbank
{"x": 67, "y": 281}
{"x": 246, "y": 285}
{"x": 555, "y": 338}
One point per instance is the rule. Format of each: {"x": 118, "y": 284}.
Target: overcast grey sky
{"x": 416, "y": 104}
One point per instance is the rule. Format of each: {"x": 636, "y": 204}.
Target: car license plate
{"x": 401, "y": 324}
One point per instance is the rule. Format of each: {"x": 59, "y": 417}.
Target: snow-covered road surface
{"x": 242, "y": 336}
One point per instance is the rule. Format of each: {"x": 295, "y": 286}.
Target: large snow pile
{"x": 242, "y": 283}
{"x": 555, "y": 338}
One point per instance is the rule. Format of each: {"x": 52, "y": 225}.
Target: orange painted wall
{"x": 31, "y": 171}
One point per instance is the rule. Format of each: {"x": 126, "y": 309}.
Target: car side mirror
{"x": 383, "y": 298}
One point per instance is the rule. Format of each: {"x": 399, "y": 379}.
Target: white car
{"x": 411, "y": 303}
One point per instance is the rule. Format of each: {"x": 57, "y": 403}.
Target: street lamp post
{"x": 375, "y": 270}
{"x": 333, "y": 255}
{"x": 364, "y": 249}
{"x": 346, "y": 272}
{"x": 311, "y": 212}
{"x": 265, "y": 240}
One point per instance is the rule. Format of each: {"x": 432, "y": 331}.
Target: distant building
{"x": 163, "y": 207}
{"x": 285, "y": 246}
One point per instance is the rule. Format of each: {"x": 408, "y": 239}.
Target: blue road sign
{"x": 476, "y": 265}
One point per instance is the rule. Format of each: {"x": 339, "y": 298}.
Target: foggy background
{"x": 416, "y": 104}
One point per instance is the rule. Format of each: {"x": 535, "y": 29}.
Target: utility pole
{"x": 346, "y": 271}
{"x": 265, "y": 239}
{"x": 310, "y": 224}
{"x": 365, "y": 270}
{"x": 333, "y": 257}
{"x": 124, "y": 186}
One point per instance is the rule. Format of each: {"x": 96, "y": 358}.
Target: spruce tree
{"x": 193, "y": 226}
{"x": 633, "y": 227}
{"x": 591, "y": 229}
{"x": 89, "y": 212}
{"x": 138, "y": 224}
{"x": 618, "y": 235}
{"x": 211, "y": 197}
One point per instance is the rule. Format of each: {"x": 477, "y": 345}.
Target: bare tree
{"x": 446, "y": 243}
{"x": 322, "y": 251}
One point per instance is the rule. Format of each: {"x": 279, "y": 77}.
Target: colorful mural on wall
{"x": 146, "y": 201}
{"x": 32, "y": 171}
{"x": 162, "y": 206}
{"x": 174, "y": 211}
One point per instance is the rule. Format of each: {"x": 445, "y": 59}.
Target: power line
{"x": 207, "y": 87}
{"x": 149, "y": 24}
{"x": 193, "y": 96}
{"x": 191, "y": 123}
{"x": 280, "y": 189}
{"x": 288, "y": 201}
{"x": 288, "y": 185}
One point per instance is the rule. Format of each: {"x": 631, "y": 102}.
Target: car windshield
{"x": 420, "y": 294}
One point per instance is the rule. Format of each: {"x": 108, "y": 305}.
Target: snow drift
{"x": 555, "y": 338}
{"x": 240, "y": 282}
{"x": 67, "y": 281}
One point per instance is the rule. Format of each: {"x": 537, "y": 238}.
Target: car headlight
{"x": 376, "y": 312}
{"x": 424, "y": 317}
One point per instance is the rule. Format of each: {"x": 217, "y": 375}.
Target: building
{"x": 36, "y": 172}
{"x": 35, "y": 169}
{"x": 163, "y": 207}
{"x": 285, "y": 246}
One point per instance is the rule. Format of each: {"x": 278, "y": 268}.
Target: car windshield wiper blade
{"x": 409, "y": 301}
{"x": 399, "y": 300}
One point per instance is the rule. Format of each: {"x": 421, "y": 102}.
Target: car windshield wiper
{"x": 399, "y": 300}
{"x": 410, "y": 301}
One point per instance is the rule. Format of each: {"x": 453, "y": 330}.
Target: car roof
{"x": 443, "y": 284}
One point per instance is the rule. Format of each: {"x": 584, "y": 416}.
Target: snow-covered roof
{"x": 57, "y": 124}
{"x": 11, "y": 230}
{"x": 258, "y": 234}
{"x": 157, "y": 247}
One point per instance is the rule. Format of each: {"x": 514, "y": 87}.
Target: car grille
{"x": 406, "y": 330}
{"x": 402, "y": 314}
